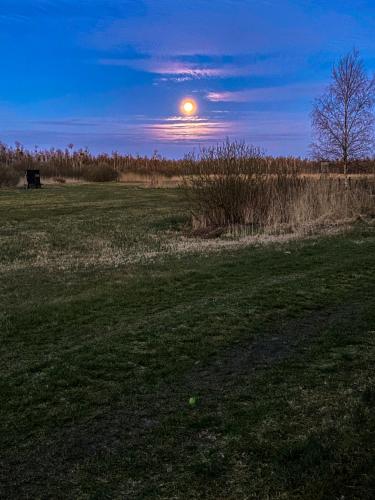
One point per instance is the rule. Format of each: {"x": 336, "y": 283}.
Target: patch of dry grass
{"x": 233, "y": 188}
{"x": 153, "y": 180}
{"x": 96, "y": 252}
{"x": 76, "y": 227}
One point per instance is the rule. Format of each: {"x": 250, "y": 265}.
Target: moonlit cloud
{"x": 138, "y": 133}
{"x": 166, "y": 67}
{"x": 180, "y": 68}
{"x": 177, "y": 130}
{"x": 268, "y": 94}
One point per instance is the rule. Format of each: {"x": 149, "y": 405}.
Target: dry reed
{"x": 81, "y": 164}
{"x": 237, "y": 188}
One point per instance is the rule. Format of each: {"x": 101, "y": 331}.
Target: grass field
{"x": 137, "y": 362}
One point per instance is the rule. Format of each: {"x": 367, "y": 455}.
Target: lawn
{"x": 137, "y": 362}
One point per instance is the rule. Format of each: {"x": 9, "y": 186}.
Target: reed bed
{"x": 237, "y": 189}
{"x": 81, "y": 164}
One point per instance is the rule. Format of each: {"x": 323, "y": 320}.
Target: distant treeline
{"x": 81, "y": 164}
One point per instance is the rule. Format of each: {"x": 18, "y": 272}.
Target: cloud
{"x": 13, "y": 18}
{"x": 178, "y": 131}
{"x": 172, "y": 27}
{"x": 69, "y": 122}
{"x": 181, "y": 68}
{"x": 276, "y": 132}
{"x": 268, "y": 94}
{"x": 166, "y": 66}
{"x": 233, "y": 38}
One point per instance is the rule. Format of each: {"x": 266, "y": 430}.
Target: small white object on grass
{"x": 192, "y": 401}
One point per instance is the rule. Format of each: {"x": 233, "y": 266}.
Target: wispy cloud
{"x": 169, "y": 67}
{"x": 267, "y": 94}
{"x": 187, "y": 27}
{"x": 276, "y": 132}
{"x": 177, "y": 130}
{"x": 171, "y": 31}
{"x": 13, "y": 18}
{"x": 182, "y": 68}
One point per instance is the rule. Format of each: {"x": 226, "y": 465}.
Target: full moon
{"x": 188, "y": 107}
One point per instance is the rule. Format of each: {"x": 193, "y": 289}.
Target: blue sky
{"x": 110, "y": 74}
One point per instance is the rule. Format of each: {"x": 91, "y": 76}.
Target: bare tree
{"x": 343, "y": 118}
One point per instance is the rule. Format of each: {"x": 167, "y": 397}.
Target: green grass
{"x": 111, "y": 320}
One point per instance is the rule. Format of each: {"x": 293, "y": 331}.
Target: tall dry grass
{"x": 9, "y": 177}
{"x": 81, "y": 164}
{"x": 237, "y": 188}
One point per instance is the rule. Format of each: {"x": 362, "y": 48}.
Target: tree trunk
{"x": 346, "y": 171}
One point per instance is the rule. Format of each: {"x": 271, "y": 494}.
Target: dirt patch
{"x": 272, "y": 347}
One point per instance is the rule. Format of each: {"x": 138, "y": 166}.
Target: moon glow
{"x": 188, "y": 107}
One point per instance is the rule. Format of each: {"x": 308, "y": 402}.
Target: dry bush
{"x": 236, "y": 187}
{"x": 9, "y": 177}
{"x": 225, "y": 184}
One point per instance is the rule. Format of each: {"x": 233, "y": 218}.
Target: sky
{"x": 111, "y": 74}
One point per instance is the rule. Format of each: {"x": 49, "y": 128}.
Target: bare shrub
{"x": 224, "y": 189}
{"x": 9, "y": 177}
{"x": 235, "y": 188}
